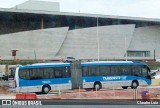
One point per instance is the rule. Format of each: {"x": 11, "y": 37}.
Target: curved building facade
{"x": 49, "y": 35}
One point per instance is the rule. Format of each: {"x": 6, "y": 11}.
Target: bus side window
{"x": 39, "y": 73}
{"x": 46, "y": 72}
{"x": 24, "y": 73}
{"x": 126, "y": 70}
{"x": 104, "y": 70}
{"x": 116, "y": 70}
{"x": 93, "y": 71}
{"x": 85, "y": 71}
{"x": 36, "y": 74}
{"x": 136, "y": 70}
{"x": 32, "y": 73}
{"x": 52, "y": 73}
{"x": 58, "y": 72}
{"x": 27, "y": 74}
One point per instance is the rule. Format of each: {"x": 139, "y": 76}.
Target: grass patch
{"x": 153, "y": 65}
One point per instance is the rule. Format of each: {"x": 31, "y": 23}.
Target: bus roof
{"x": 112, "y": 63}
{"x": 45, "y": 65}
{"x": 94, "y": 63}
{"x": 49, "y": 64}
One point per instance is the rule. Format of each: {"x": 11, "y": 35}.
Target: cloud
{"x": 141, "y": 8}
{"x": 136, "y": 8}
{"x": 10, "y": 3}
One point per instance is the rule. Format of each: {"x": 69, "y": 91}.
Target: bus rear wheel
{"x": 124, "y": 87}
{"x": 46, "y": 89}
{"x": 97, "y": 85}
{"x": 134, "y": 84}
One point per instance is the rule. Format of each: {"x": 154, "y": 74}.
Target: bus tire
{"x": 46, "y": 89}
{"x": 134, "y": 84}
{"x": 97, "y": 86}
{"x": 124, "y": 87}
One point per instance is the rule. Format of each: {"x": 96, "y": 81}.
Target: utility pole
{"x": 97, "y": 40}
{"x": 125, "y": 48}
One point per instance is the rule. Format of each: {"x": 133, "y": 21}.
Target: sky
{"x": 134, "y": 8}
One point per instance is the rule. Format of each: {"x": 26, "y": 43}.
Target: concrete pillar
{"x": 76, "y": 75}
{"x": 42, "y": 23}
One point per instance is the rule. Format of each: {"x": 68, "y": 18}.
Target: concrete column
{"x": 42, "y": 23}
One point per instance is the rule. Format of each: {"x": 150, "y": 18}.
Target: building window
{"x": 138, "y": 53}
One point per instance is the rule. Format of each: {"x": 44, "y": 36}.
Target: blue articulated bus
{"x": 115, "y": 73}
{"x": 44, "y": 77}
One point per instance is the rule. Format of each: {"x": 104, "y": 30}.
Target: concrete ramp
{"x": 36, "y": 44}
{"x": 83, "y": 44}
{"x": 115, "y": 40}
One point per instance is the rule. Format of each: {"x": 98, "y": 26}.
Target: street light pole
{"x": 97, "y": 40}
{"x": 35, "y": 57}
{"x": 125, "y": 48}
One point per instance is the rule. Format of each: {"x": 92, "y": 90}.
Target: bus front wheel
{"x": 134, "y": 84}
{"x": 46, "y": 89}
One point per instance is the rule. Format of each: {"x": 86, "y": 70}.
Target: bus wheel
{"x": 124, "y": 87}
{"x": 46, "y": 89}
{"x": 97, "y": 85}
{"x": 134, "y": 84}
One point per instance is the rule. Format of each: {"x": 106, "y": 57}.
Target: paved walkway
{"x": 7, "y": 97}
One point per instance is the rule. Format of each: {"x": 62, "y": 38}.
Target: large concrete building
{"x": 43, "y": 32}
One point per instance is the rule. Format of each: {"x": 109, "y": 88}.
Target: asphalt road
{"x": 88, "y": 102}
{"x": 83, "y": 106}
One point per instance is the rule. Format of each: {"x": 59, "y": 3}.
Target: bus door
{"x": 76, "y": 74}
